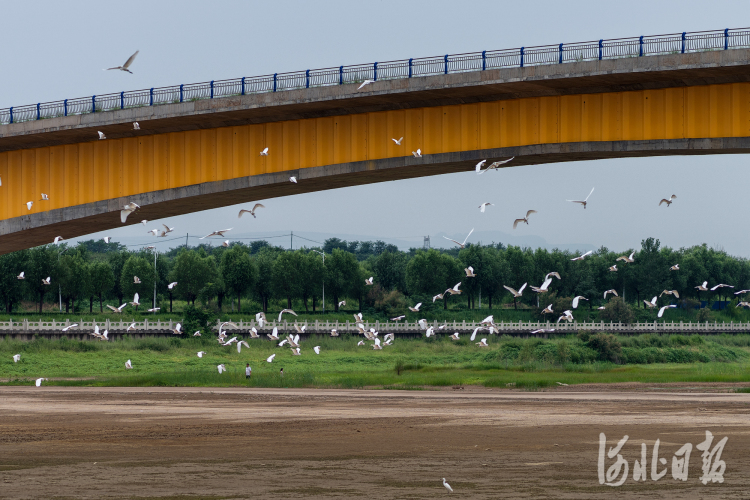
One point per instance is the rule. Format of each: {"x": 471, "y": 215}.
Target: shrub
{"x": 607, "y": 346}
{"x": 197, "y": 318}
{"x": 391, "y": 303}
{"x": 617, "y": 310}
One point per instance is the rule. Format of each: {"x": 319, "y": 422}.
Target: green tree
{"x": 390, "y": 270}
{"x": 74, "y": 278}
{"x": 288, "y": 274}
{"x": 144, "y": 269}
{"x": 264, "y": 262}
{"x": 117, "y": 261}
{"x": 342, "y": 269}
{"x": 102, "y": 279}
{"x": 191, "y": 271}
{"x": 239, "y": 272}
{"x": 314, "y": 273}
{"x": 42, "y": 264}
{"x": 11, "y": 288}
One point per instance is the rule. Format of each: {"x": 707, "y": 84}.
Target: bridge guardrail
{"x": 426, "y": 66}
{"x": 318, "y": 326}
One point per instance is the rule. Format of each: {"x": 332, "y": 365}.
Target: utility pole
{"x": 156, "y": 278}
{"x": 291, "y": 241}
{"x": 324, "y": 280}
{"x": 187, "y": 235}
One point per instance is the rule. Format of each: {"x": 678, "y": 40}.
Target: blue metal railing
{"x": 426, "y": 66}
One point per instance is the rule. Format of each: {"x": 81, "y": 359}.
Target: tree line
{"x": 93, "y": 273}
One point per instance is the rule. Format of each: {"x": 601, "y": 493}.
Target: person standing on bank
{"x": 248, "y": 371}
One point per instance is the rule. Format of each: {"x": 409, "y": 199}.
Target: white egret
{"x": 493, "y": 166}
{"x": 524, "y": 219}
{"x": 251, "y": 211}
{"x": 668, "y": 201}
{"x": 462, "y": 245}
{"x": 582, "y": 202}
{"x": 127, "y": 64}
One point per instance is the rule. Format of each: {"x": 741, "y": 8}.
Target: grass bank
{"x": 586, "y": 358}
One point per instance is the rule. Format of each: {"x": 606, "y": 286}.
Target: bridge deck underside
{"x": 182, "y": 172}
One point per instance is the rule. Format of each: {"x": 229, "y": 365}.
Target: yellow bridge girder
{"x": 93, "y": 171}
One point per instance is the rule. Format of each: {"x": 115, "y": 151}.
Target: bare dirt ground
{"x": 185, "y": 443}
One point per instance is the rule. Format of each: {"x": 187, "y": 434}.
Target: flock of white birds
{"x": 293, "y": 341}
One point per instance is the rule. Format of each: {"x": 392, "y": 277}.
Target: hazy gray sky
{"x": 59, "y": 49}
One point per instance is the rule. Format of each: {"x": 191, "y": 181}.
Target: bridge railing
{"x": 426, "y": 66}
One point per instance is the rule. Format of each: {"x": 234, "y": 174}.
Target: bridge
{"x": 677, "y": 94}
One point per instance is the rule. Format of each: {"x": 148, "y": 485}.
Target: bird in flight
{"x": 21, "y": 276}
{"x": 220, "y": 232}
{"x": 721, "y": 285}
{"x": 136, "y": 126}
{"x": 525, "y": 219}
{"x": 286, "y": 311}
{"x": 106, "y": 239}
{"x": 703, "y": 287}
{"x": 29, "y": 204}
{"x": 613, "y": 269}
{"x": 612, "y": 291}
{"x": 676, "y": 267}
{"x": 670, "y": 292}
{"x": 16, "y": 358}
{"x": 628, "y": 259}
{"x": 576, "y": 299}
{"x": 127, "y": 210}
{"x": 136, "y": 280}
{"x": 117, "y": 309}
{"x": 415, "y": 308}
{"x": 251, "y": 212}
{"x": 47, "y": 281}
{"x": 582, "y": 202}
{"x": 484, "y": 205}
{"x": 264, "y": 152}
{"x": 369, "y": 281}
{"x": 128, "y": 365}
{"x": 293, "y": 179}
{"x": 650, "y": 304}
{"x": 481, "y": 343}
{"x": 417, "y": 153}
{"x": 661, "y": 311}
{"x": 269, "y": 359}
{"x": 668, "y": 201}
{"x": 547, "y": 310}
{"x": 462, "y": 245}
{"x": 45, "y": 197}
{"x": 514, "y": 292}
{"x": 543, "y": 288}
{"x": 127, "y": 64}
{"x": 470, "y": 272}
{"x": 172, "y": 285}
{"x": 581, "y": 257}
{"x": 366, "y": 82}
{"x": 398, "y": 142}
{"x": 101, "y": 135}
{"x": 58, "y": 239}
{"x": 493, "y": 166}
{"x": 316, "y": 349}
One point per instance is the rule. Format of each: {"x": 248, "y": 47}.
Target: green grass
{"x": 522, "y": 363}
